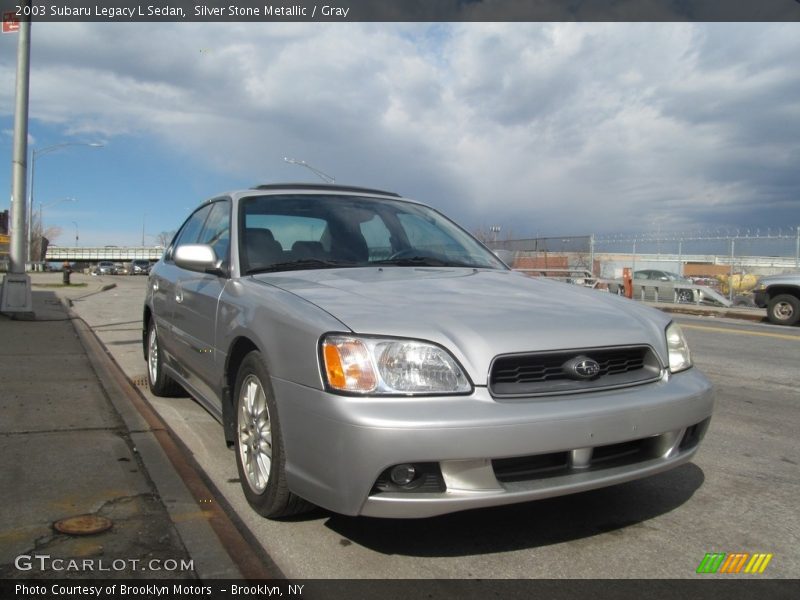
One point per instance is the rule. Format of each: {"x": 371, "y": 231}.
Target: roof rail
{"x": 323, "y": 186}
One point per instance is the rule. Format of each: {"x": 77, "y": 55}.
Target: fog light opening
{"x": 403, "y": 474}
{"x": 408, "y": 478}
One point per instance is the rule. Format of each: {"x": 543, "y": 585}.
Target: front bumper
{"x": 337, "y": 447}
{"x": 761, "y": 298}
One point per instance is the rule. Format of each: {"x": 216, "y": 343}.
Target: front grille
{"x": 620, "y": 453}
{"x": 558, "y": 464}
{"x": 544, "y": 372}
{"x": 525, "y": 468}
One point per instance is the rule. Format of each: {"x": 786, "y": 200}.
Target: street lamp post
{"x": 41, "y": 217}
{"x": 301, "y": 163}
{"x": 36, "y": 153}
{"x": 15, "y": 294}
{"x": 76, "y": 233}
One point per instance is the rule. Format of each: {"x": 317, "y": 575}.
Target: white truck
{"x": 780, "y": 295}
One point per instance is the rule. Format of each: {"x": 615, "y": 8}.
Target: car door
{"x": 163, "y": 281}
{"x": 196, "y": 300}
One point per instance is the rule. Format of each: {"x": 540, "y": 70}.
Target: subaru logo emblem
{"x": 581, "y": 367}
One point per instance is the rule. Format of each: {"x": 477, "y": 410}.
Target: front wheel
{"x": 160, "y": 383}
{"x": 784, "y": 309}
{"x": 260, "y": 457}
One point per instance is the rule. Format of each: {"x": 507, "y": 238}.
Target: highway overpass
{"x": 112, "y": 253}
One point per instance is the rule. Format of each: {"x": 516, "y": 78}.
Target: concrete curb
{"x": 105, "y": 288}
{"x": 168, "y": 472}
{"x": 753, "y": 316}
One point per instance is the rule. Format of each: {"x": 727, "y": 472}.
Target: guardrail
{"x": 668, "y": 291}
{"x": 655, "y": 291}
{"x": 577, "y": 276}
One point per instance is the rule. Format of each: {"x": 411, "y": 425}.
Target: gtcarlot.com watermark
{"x": 44, "y": 562}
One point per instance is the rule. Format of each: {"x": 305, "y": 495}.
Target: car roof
{"x": 309, "y": 188}
{"x": 324, "y": 187}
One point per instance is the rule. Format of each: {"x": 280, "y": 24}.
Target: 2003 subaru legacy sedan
{"x": 367, "y": 355}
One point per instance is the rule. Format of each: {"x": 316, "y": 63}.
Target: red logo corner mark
{"x": 10, "y": 22}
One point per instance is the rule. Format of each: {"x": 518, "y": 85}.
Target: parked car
{"x": 780, "y": 295}
{"x": 653, "y": 275}
{"x": 139, "y": 266}
{"x": 106, "y": 267}
{"x": 651, "y": 280}
{"x": 657, "y": 275}
{"x": 365, "y": 354}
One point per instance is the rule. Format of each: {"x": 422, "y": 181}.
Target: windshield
{"x": 301, "y": 231}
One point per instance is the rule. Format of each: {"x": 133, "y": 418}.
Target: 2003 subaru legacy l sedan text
{"x": 367, "y": 355}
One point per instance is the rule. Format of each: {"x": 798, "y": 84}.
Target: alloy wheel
{"x": 152, "y": 355}
{"x": 255, "y": 434}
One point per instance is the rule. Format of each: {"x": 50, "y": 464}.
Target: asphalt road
{"x": 738, "y": 495}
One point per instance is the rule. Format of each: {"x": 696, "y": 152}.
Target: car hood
{"x": 476, "y": 314}
{"x": 790, "y": 278}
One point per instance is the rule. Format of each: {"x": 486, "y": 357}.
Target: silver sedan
{"x": 367, "y": 355}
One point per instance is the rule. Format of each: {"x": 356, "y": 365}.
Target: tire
{"x": 160, "y": 383}
{"x": 784, "y": 309}
{"x": 260, "y": 456}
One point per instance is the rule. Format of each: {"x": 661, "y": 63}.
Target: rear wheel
{"x": 784, "y": 309}
{"x": 160, "y": 383}
{"x": 260, "y": 457}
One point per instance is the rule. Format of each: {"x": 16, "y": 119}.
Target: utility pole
{"x": 36, "y": 153}
{"x": 797, "y": 249}
{"x": 15, "y": 298}
{"x": 730, "y": 277}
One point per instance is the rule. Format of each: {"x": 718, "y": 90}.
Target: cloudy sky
{"x": 544, "y": 129}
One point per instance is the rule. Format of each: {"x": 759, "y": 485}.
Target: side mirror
{"x": 196, "y": 257}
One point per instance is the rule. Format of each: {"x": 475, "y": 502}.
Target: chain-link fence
{"x": 727, "y": 260}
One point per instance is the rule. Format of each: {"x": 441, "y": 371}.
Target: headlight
{"x": 366, "y": 365}
{"x": 680, "y": 358}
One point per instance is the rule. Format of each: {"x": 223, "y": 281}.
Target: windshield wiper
{"x": 297, "y": 265}
{"x": 421, "y": 261}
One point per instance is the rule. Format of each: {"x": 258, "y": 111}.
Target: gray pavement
{"x": 72, "y": 445}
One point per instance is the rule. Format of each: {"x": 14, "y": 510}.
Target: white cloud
{"x": 559, "y": 128}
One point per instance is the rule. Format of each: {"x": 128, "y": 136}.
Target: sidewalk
{"x": 757, "y": 315}
{"x": 69, "y": 449}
